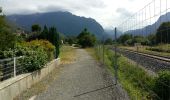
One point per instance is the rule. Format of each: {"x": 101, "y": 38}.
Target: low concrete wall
{"x": 14, "y": 86}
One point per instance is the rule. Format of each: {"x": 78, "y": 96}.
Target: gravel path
{"x": 84, "y": 77}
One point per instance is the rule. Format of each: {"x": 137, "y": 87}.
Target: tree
{"x": 45, "y": 33}
{"x": 108, "y": 41}
{"x": 54, "y": 38}
{"x": 36, "y": 28}
{"x": 86, "y": 39}
{"x": 36, "y": 32}
{"x": 123, "y": 38}
{"x": 163, "y": 33}
{"x": 7, "y": 38}
{"x": 152, "y": 39}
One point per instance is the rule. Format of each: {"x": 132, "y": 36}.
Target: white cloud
{"x": 108, "y": 13}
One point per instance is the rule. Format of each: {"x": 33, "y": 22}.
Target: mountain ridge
{"x": 66, "y": 22}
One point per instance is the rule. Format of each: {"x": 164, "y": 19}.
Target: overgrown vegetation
{"x": 135, "y": 80}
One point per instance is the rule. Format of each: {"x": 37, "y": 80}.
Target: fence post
{"x": 116, "y": 66}
{"x": 14, "y": 66}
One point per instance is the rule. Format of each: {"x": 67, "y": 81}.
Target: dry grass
{"x": 91, "y": 51}
{"x": 68, "y": 54}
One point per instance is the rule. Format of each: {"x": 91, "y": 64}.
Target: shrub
{"x": 36, "y": 54}
{"x": 161, "y": 85}
{"x": 34, "y": 60}
{"x": 45, "y": 45}
{"x": 86, "y": 39}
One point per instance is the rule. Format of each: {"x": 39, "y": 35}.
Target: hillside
{"x": 152, "y": 28}
{"x": 65, "y": 22}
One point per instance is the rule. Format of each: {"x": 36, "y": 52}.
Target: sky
{"x": 109, "y": 13}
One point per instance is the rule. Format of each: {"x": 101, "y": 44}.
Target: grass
{"x": 67, "y": 54}
{"x": 133, "y": 79}
{"x": 92, "y": 52}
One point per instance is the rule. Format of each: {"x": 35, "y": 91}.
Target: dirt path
{"x": 83, "y": 80}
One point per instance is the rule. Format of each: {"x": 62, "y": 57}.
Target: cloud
{"x": 124, "y": 12}
{"x": 108, "y": 13}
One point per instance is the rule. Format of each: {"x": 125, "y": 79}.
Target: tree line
{"x": 162, "y": 35}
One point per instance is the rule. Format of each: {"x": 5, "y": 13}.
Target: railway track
{"x": 150, "y": 62}
{"x": 162, "y": 58}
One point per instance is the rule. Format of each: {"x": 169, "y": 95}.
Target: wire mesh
{"x": 151, "y": 24}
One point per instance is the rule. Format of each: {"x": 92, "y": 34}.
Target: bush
{"x": 34, "y": 60}
{"x": 36, "y": 54}
{"x": 162, "y": 85}
{"x": 86, "y": 39}
{"x": 45, "y": 45}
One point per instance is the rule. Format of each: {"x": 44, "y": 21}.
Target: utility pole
{"x": 115, "y": 64}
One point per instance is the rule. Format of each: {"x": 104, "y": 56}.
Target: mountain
{"x": 66, "y": 23}
{"x": 151, "y": 28}
{"x": 111, "y": 34}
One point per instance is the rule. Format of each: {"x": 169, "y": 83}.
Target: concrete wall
{"x": 14, "y": 86}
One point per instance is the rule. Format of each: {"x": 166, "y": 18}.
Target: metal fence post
{"x": 14, "y": 66}
{"x": 116, "y": 66}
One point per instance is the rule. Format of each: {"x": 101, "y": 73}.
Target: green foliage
{"x": 36, "y": 28}
{"x": 71, "y": 40}
{"x": 34, "y": 60}
{"x": 152, "y": 39}
{"x": 7, "y": 38}
{"x": 37, "y": 53}
{"x": 128, "y": 39}
{"x": 50, "y": 34}
{"x": 161, "y": 85}
{"x": 55, "y": 40}
{"x": 45, "y": 45}
{"x": 108, "y": 41}
{"x": 123, "y": 38}
{"x": 162, "y": 34}
{"x": 45, "y": 33}
{"x": 86, "y": 39}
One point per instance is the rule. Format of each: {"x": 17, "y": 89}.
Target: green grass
{"x": 133, "y": 79}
